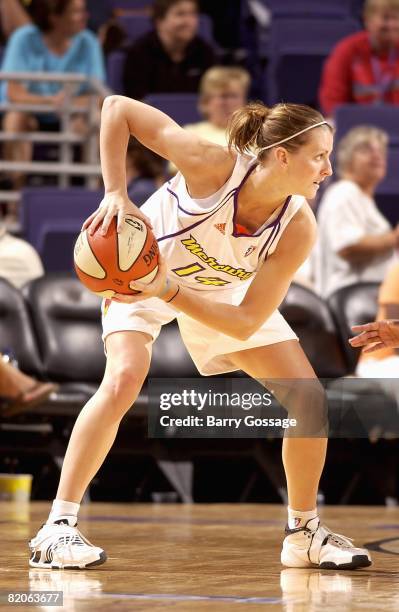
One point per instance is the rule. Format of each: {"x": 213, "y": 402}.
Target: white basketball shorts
{"x": 209, "y": 349}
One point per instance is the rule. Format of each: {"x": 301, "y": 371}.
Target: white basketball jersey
{"x": 198, "y": 238}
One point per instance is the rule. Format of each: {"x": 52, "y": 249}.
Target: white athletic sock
{"x": 63, "y": 510}
{"x": 299, "y": 518}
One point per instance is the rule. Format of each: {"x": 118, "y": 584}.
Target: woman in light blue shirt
{"x": 57, "y": 41}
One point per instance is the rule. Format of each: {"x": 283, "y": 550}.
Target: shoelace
{"x": 338, "y": 538}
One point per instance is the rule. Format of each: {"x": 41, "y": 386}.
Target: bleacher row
{"x": 298, "y": 40}
{"x": 52, "y": 218}
{"x": 53, "y": 329}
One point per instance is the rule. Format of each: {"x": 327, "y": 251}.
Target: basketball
{"x": 107, "y": 264}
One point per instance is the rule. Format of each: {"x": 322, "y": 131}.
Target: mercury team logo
{"x": 250, "y": 250}
{"x": 221, "y": 227}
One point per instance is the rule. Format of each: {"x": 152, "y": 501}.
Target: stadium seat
{"x": 141, "y": 190}
{"x": 353, "y": 305}
{"x": 52, "y": 218}
{"x": 115, "y": 64}
{"x": 128, "y": 5}
{"x": 183, "y": 108}
{"x": 384, "y": 116}
{"x": 387, "y": 202}
{"x": 16, "y": 336}
{"x": 312, "y": 321}
{"x": 66, "y": 319}
{"x": 138, "y": 25}
{"x": 296, "y": 50}
{"x": 309, "y": 8}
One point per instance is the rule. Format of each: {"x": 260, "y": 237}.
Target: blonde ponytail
{"x": 257, "y": 128}
{"x": 246, "y": 124}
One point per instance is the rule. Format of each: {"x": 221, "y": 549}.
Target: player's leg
{"x": 307, "y": 543}
{"x": 282, "y": 362}
{"x": 128, "y": 360}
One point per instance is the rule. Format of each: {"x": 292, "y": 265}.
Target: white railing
{"x": 65, "y": 168}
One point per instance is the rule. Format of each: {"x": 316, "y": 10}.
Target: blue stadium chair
{"x": 297, "y": 49}
{"x": 309, "y": 8}
{"x": 52, "y": 218}
{"x": 127, "y": 5}
{"x": 137, "y": 25}
{"x": 183, "y": 108}
{"x": 141, "y": 190}
{"x": 384, "y": 116}
{"x": 115, "y": 63}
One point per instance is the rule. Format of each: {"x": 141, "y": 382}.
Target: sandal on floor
{"x": 34, "y": 396}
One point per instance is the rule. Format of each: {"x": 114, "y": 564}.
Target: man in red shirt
{"x": 364, "y": 67}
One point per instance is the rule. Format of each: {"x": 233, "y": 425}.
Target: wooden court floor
{"x": 202, "y": 558}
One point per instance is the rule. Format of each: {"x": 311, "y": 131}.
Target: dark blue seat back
{"x": 309, "y": 8}
{"x": 115, "y": 64}
{"x": 52, "y": 219}
{"x": 138, "y": 25}
{"x": 183, "y": 108}
{"x": 296, "y": 50}
{"x": 128, "y": 5}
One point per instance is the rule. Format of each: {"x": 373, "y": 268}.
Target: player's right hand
{"x": 113, "y": 205}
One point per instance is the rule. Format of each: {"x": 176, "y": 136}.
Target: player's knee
{"x": 306, "y": 402}
{"x": 122, "y": 386}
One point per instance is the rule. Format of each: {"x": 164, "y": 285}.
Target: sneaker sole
{"x": 357, "y": 562}
{"x": 100, "y": 561}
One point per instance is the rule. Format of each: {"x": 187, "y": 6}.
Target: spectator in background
{"x": 12, "y": 16}
{"x": 19, "y": 261}
{"x": 145, "y": 172}
{"x": 57, "y": 42}
{"x": 355, "y": 242}
{"x": 223, "y": 90}
{"x": 171, "y": 58}
{"x": 364, "y": 67}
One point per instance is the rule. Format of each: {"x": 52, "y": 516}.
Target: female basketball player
{"x": 233, "y": 227}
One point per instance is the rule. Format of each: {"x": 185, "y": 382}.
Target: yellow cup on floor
{"x": 15, "y": 487}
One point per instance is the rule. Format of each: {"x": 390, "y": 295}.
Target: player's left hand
{"x": 153, "y": 289}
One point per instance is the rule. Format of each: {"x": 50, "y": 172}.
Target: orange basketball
{"x": 106, "y": 264}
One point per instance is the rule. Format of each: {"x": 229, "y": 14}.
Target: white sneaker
{"x": 316, "y": 546}
{"x": 60, "y": 546}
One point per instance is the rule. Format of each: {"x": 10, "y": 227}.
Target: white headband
{"x": 310, "y": 127}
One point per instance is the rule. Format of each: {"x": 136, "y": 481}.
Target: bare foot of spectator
{"x": 18, "y": 392}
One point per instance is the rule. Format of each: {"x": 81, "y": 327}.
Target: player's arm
{"x": 265, "y": 293}
{"x": 196, "y": 158}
